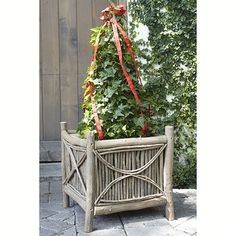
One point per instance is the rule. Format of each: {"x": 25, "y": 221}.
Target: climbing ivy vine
{"x": 116, "y": 106}
{"x": 168, "y": 66}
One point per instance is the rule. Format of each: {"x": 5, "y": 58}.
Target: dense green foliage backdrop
{"x": 168, "y": 66}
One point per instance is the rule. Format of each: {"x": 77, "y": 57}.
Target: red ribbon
{"x": 106, "y": 16}
{"x": 90, "y": 91}
{"x": 117, "y": 40}
{"x": 129, "y": 45}
{"x": 95, "y": 114}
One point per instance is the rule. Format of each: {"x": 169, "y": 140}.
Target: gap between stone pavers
{"x": 178, "y": 222}
{"x": 122, "y": 224}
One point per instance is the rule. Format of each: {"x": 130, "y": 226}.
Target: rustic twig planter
{"x": 110, "y": 176}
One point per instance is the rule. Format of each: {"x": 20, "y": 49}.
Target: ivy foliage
{"x": 116, "y": 106}
{"x": 168, "y": 65}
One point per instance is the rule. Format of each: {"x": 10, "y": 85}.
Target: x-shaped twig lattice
{"x": 75, "y": 165}
{"x": 129, "y": 173}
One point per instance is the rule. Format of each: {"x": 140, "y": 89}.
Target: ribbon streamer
{"x": 130, "y": 83}
{"x": 97, "y": 121}
{"x": 129, "y": 46}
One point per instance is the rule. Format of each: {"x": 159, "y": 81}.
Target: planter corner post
{"x": 66, "y": 199}
{"x": 168, "y": 171}
{"x": 90, "y": 183}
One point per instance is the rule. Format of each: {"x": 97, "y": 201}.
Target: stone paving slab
{"x": 106, "y": 232}
{"x": 69, "y": 232}
{"x": 55, "y": 197}
{"x": 189, "y": 226}
{"x": 63, "y": 216}
{"x": 44, "y": 198}
{"x": 70, "y": 220}
{"x": 100, "y": 222}
{"x": 46, "y": 213}
{"x": 44, "y": 188}
{"x": 46, "y": 232}
{"x": 55, "y": 220}
{"x": 56, "y": 226}
{"x": 50, "y": 172}
{"x": 142, "y": 218}
{"x": 154, "y": 231}
{"x": 55, "y": 187}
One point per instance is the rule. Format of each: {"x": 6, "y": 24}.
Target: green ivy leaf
{"x": 110, "y": 92}
{"x": 117, "y": 114}
{"x": 140, "y": 122}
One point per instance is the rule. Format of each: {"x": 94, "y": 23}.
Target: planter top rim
{"x": 74, "y": 139}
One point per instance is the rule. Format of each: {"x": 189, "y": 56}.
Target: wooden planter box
{"x": 116, "y": 175}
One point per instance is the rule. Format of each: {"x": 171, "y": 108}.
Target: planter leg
{"x": 168, "y": 170}
{"x": 66, "y": 200}
{"x": 169, "y": 208}
{"x": 89, "y": 221}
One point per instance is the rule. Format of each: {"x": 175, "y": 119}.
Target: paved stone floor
{"x": 55, "y": 220}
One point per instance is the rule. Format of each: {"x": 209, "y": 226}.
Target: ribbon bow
{"x": 119, "y": 10}
{"x": 108, "y": 15}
